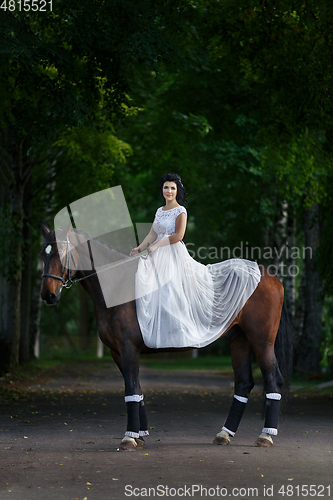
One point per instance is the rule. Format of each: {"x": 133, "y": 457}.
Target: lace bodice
{"x": 165, "y": 221}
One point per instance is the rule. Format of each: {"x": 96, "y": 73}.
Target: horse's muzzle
{"x": 50, "y": 298}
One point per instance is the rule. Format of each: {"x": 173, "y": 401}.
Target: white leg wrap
{"x": 143, "y": 433}
{"x": 270, "y": 431}
{"x": 241, "y": 399}
{"x": 135, "y": 398}
{"x": 273, "y": 395}
{"x": 228, "y": 431}
{"x": 132, "y": 434}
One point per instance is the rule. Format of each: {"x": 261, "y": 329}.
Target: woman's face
{"x": 170, "y": 190}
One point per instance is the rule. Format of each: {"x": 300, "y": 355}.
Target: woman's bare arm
{"x": 150, "y": 238}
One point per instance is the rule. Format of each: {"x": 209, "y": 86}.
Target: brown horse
{"x": 261, "y": 327}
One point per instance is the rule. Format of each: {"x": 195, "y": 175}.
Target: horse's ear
{"x": 44, "y": 228}
{"x": 63, "y": 232}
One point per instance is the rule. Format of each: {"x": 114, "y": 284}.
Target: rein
{"x": 70, "y": 282}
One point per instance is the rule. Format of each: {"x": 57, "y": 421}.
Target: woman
{"x": 180, "y": 302}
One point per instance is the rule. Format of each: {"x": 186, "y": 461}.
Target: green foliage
{"x": 235, "y": 96}
{"x": 53, "y": 62}
{"x": 256, "y": 75}
{"x": 86, "y": 160}
{"x": 301, "y": 168}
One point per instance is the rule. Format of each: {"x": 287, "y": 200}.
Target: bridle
{"x": 69, "y": 256}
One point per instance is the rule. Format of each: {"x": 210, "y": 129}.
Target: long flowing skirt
{"x": 182, "y": 303}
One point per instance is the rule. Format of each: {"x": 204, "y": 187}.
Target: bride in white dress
{"x": 180, "y": 302}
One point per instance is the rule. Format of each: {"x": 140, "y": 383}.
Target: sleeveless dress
{"x": 183, "y": 303}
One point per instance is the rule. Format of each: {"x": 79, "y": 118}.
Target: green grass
{"x": 31, "y": 370}
{"x": 310, "y": 386}
{"x": 200, "y": 363}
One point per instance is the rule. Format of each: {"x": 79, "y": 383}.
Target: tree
{"x": 56, "y": 71}
{"x": 257, "y": 85}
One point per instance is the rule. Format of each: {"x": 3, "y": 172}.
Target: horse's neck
{"x": 101, "y": 254}
{"x": 92, "y": 287}
{"x": 95, "y": 253}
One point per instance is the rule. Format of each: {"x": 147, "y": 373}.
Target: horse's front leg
{"x": 137, "y": 424}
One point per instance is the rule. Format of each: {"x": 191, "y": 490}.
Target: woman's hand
{"x": 151, "y": 248}
{"x": 135, "y": 251}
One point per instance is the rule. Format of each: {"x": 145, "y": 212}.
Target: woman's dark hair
{"x": 181, "y": 196}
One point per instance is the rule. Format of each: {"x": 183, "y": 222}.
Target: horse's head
{"x": 61, "y": 261}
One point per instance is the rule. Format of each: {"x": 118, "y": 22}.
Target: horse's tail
{"x": 284, "y": 354}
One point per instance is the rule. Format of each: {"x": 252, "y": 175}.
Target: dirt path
{"x": 59, "y": 441}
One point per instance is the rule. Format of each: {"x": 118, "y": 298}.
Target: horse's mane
{"x": 104, "y": 244}
{"x": 106, "y": 251}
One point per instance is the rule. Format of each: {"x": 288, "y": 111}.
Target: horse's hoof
{"x": 264, "y": 441}
{"x": 221, "y": 438}
{"x": 140, "y": 442}
{"x": 128, "y": 444}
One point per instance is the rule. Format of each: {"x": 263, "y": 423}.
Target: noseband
{"x": 69, "y": 256}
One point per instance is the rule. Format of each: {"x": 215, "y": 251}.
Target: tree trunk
{"x": 278, "y": 239}
{"x": 298, "y": 323}
{"x": 291, "y": 270}
{"x": 15, "y": 170}
{"x": 309, "y": 348}
{"x": 15, "y": 274}
{"x": 4, "y": 310}
{"x": 4, "y": 327}
{"x": 26, "y": 279}
{"x": 36, "y": 304}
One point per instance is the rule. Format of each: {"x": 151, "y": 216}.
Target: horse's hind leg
{"x": 272, "y": 386}
{"x": 241, "y": 363}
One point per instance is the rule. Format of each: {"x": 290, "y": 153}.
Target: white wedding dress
{"x": 182, "y": 303}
